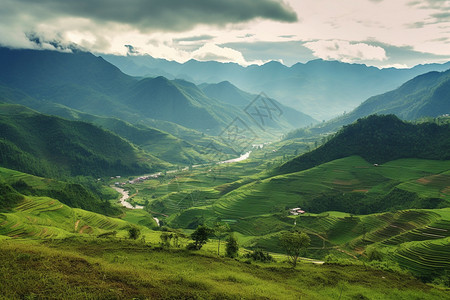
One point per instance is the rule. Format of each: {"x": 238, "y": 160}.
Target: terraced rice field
{"x": 348, "y": 175}
{"x": 400, "y": 223}
{"x": 425, "y": 257}
{"x": 42, "y": 217}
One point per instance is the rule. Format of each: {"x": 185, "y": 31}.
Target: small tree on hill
{"x": 165, "y": 239}
{"x": 134, "y": 232}
{"x": 294, "y": 243}
{"x": 232, "y": 246}
{"x": 220, "y": 231}
{"x": 200, "y": 237}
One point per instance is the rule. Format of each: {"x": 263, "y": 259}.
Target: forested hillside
{"x": 53, "y": 147}
{"x": 379, "y": 139}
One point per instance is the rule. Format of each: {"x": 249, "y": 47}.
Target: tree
{"x": 220, "y": 231}
{"x": 134, "y": 232}
{"x": 200, "y": 237}
{"x": 232, "y": 246}
{"x": 294, "y": 243}
{"x": 165, "y": 239}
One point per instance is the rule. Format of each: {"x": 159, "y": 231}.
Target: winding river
{"x": 126, "y": 195}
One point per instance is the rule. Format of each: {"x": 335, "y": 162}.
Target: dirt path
{"x": 346, "y": 252}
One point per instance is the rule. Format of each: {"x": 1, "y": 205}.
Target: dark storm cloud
{"x": 170, "y": 15}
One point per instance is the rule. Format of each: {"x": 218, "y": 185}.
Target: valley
{"x": 107, "y": 181}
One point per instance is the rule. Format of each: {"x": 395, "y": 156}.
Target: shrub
{"x": 374, "y": 254}
{"x": 134, "y": 232}
{"x": 259, "y": 255}
{"x": 165, "y": 239}
{"x": 107, "y": 234}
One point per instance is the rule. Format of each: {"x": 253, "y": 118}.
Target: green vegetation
{"x": 295, "y": 244}
{"x": 53, "y": 147}
{"x": 232, "y": 246}
{"x": 188, "y": 147}
{"x": 51, "y": 76}
{"x": 379, "y": 139}
{"x": 362, "y": 213}
{"x": 83, "y": 267}
{"x": 79, "y": 192}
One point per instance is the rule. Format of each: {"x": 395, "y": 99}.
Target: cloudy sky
{"x": 380, "y": 33}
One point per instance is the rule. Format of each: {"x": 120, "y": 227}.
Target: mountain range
{"x": 427, "y": 95}
{"x": 322, "y": 89}
{"x": 90, "y": 84}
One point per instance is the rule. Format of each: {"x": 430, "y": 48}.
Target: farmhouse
{"x": 296, "y": 211}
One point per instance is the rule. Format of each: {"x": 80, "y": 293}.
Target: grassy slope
{"x": 43, "y": 217}
{"x": 85, "y": 268}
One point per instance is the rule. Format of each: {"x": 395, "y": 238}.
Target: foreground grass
{"x": 86, "y": 268}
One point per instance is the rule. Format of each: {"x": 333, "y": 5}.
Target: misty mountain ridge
{"x": 427, "y": 95}
{"x": 104, "y": 90}
{"x": 322, "y": 89}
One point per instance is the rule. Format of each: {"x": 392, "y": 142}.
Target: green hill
{"x": 161, "y": 144}
{"x": 230, "y": 94}
{"x": 80, "y": 193}
{"x": 349, "y": 185}
{"x": 379, "y": 139}
{"x": 183, "y": 146}
{"x": 427, "y": 95}
{"x": 50, "y": 146}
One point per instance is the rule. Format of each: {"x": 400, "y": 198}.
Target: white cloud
{"x": 331, "y": 29}
{"x": 211, "y": 51}
{"x": 346, "y": 51}
{"x": 396, "y": 66}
